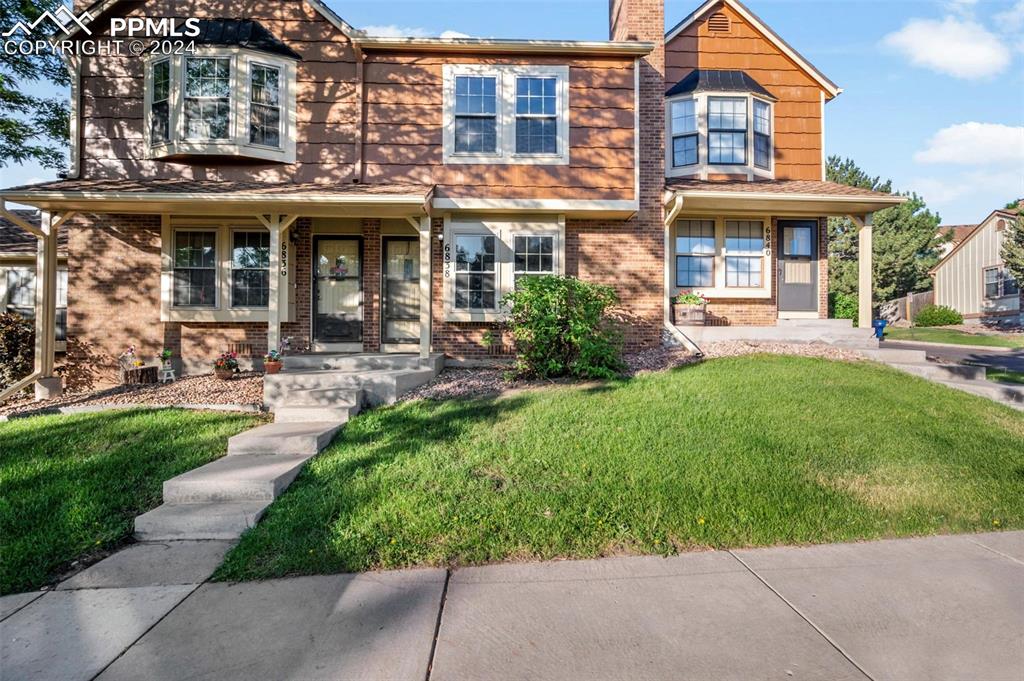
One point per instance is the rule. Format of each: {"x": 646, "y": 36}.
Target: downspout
{"x": 360, "y": 114}
{"x": 673, "y": 206}
{"x": 74, "y": 65}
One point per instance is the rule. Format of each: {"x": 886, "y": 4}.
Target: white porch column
{"x": 425, "y": 288}
{"x": 273, "y": 224}
{"x": 865, "y": 280}
{"x": 47, "y": 386}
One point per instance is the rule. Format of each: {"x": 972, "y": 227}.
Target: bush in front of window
{"x": 17, "y": 348}
{"x": 562, "y": 327}
{"x": 843, "y": 306}
{"x": 938, "y": 315}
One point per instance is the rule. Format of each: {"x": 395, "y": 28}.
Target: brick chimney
{"x": 644, "y": 20}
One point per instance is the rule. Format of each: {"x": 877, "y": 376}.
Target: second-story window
{"x": 762, "y": 134}
{"x": 160, "y": 121}
{"x": 685, "y": 151}
{"x": 207, "y": 98}
{"x": 536, "y": 116}
{"x": 476, "y": 114}
{"x": 265, "y": 105}
{"x": 727, "y": 130}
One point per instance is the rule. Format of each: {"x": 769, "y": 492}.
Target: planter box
{"x": 688, "y": 315}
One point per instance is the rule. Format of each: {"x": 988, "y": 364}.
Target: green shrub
{"x": 843, "y": 306}
{"x": 17, "y": 348}
{"x": 561, "y": 327}
{"x": 938, "y": 315}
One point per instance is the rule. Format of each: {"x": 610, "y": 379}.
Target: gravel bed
{"x": 462, "y": 383}
{"x": 244, "y": 389}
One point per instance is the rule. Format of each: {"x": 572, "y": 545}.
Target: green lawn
{"x": 954, "y": 337}
{"x": 1006, "y": 376}
{"x": 71, "y": 485}
{"x": 734, "y": 452}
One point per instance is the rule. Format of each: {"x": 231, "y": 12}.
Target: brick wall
{"x": 371, "y": 285}
{"x": 823, "y": 268}
{"x": 300, "y": 331}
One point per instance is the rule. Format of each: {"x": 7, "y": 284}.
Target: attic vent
{"x": 718, "y": 23}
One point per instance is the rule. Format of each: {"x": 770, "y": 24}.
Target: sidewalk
{"x": 930, "y": 609}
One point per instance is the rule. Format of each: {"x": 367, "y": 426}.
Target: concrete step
{"x": 898, "y": 356}
{"x": 246, "y": 477}
{"x": 1008, "y": 395}
{"x": 942, "y": 372}
{"x": 285, "y": 438}
{"x": 199, "y": 521}
{"x": 306, "y": 413}
{"x": 378, "y": 386}
{"x": 360, "y": 362}
{"x": 325, "y": 397}
{"x": 831, "y": 324}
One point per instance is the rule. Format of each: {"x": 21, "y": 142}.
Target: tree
{"x": 906, "y": 240}
{"x": 1013, "y": 248}
{"x": 32, "y": 127}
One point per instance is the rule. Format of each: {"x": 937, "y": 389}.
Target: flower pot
{"x": 688, "y": 315}
{"x": 272, "y": 367}
{"x": 223, "y": 374}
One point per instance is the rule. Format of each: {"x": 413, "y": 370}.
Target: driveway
{"x": 939, "y": 608}
{"x": 1013, "y": 361}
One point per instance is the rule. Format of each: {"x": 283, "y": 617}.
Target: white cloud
{"x": 1012, "y": 19}
{"x": 958, "y": 47}
{"x": 396, "y": 31}
{"x": 984, "y": 187}
{"x": 978, "y": 144}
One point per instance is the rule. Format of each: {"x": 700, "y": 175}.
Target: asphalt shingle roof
{"x": 16, "y": 241}
{"x": 800, "y": 187}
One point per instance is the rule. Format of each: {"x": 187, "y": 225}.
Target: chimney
{"x": 644, "y": 20}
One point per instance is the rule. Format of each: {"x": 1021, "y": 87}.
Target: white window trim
{"x": 283, "y": 88}
{"x": 720, "y": 290}
{"x": 238, "y": 143}
{"x": 505, "y": 230}
{"x": 505, "y": 91}
{"x": 222, "y": 311}
{"x": 231, "y": 266}
{"x": 703, "y": 168}
{"x": 1001, "y": 281}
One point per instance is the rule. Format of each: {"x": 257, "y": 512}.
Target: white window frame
{"x": 505, "y": 230}
{"x": 673, "y": 134}
{"x": 555, "y": 264}
{"x": 281, "y": 108}
{"x": 720, "y": 289}
{"x": 703, "y": 168}
{"x": 232, "y": 269}
{"x": 216, "y": 269}
{"x": 726, "y": 253}
{"x": 1002, "y": 274}
{"x": 237, "y": 143}
{"x": 505, "y": 91}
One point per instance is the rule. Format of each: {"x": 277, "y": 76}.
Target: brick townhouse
{"x": 296, "y": 182}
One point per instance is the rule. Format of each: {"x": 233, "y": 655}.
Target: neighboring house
{"x": 953, "y": 235}
{"x": 972, "y": 279}
{"x": 296, "y": 181}
{"x": 18, "y": 251}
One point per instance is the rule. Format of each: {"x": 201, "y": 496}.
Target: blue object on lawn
{"x": 879, "y": 326}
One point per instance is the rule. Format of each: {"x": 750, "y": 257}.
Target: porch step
{"x": 942, "y": 372}
{"x": 359, "y": 362}
{"x": 890, "y": 355}
{"x": 807, "y": 331}
{"x": 306, "y": 438}
{"x": 199, "y": 521}
{"x": 831, "y": 324}
{"x": 246, "y": 477}
{"x": 381, "y": 386}
{"x": 307, "y": 413}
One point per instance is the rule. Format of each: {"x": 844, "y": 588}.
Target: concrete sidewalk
{"x": 931, "y": 609}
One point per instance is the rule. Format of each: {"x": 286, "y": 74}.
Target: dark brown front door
{"x": 338, "y": 289}
{"x": 798, "y": 265}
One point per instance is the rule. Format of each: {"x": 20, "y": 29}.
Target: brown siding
{"x": 798, "y": 139}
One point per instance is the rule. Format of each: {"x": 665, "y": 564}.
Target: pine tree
{"x": 1013, "y": 247}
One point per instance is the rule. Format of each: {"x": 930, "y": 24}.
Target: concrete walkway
{"x": 1012, "y": 361}
{"x": 930, "y": 609}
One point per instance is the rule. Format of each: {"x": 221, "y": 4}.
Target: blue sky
{"x": 934, "y": 90}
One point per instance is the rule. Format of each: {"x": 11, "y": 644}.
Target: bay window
{"x": 762, "y": 135}
{"x": 727, "y": 130}
{"x": 684, "y": 133}
{"x": 221, "y": 101}
{"x": 714, "y": 134}
{"x": 506, "y": 114}
{"x": 695, "y": 253}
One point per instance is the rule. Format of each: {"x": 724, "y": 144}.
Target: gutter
{"x": 630, "y": 48}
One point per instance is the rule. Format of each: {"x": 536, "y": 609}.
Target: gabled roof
{"x": 959, "y": 232}
{"x": 101, "y": 7}
{"x": 15, "y": 241}
{"x": 709, "y": 80}
{"x": 1006, "y": 213}
{"x": 831, "y": 88}
{"x": 242, "y": 33}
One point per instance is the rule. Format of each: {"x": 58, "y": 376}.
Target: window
{"x": 744, "y": 247}
{"x": 265, "y": 105}
{"x": 727, "y": 130}
{"x": 506, "y": 114}
{"x": 476, "y": 114}
{"x": 999, "y": 283}
{"x": 250, "y": 269}
{"x": 160, "y": 118}
{"x": 684, "y": 133}
{"x": 797, "y": 241}
{"x": 695, "y": 253}
{"x": 207, "y": 98}
{"x": 762, "y": 134}
{"x": 195, "y": 269}
{"x": 533, "y": 256}
{"x": 475, "y": 273}
{"x": 536, "y": 116}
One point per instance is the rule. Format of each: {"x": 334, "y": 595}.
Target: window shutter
{"x": 718, "y": 23}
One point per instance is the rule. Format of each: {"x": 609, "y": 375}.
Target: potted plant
{"x": 225, "y": 366}
{"x": 272, "y": 362}
{"x": 165, "y": 357}
{"x": 689, "y": 309}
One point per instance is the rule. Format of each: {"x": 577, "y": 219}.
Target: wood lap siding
{"x": 798, "y": 111}
{"x": 405, "y": 112}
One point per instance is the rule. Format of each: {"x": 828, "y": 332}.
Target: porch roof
{"x": 789, "y": 197}
{"x": 207, "y": 197}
